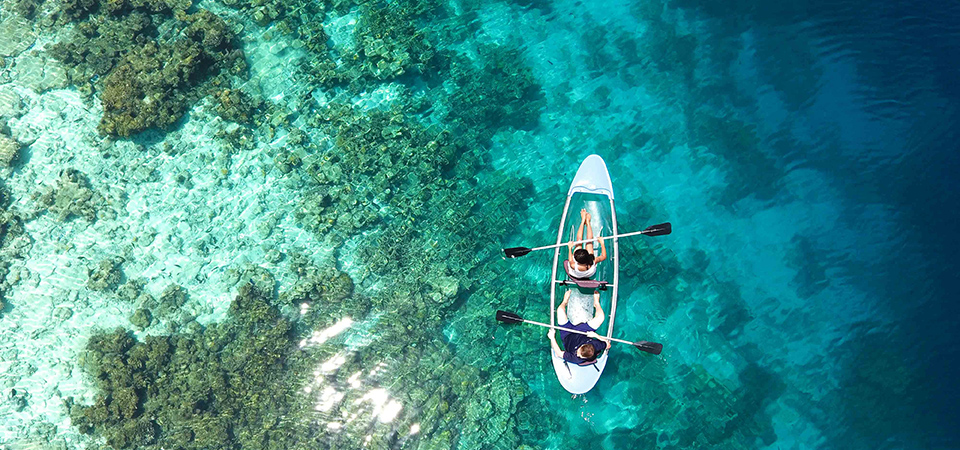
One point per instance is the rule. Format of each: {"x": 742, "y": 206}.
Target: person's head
{"x": 582, "y": 256}
{"x": 587, "y": 352}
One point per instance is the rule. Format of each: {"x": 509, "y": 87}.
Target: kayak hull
{"x": 592, "y": 190}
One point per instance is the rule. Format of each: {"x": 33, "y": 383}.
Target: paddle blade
{"x": 514, "y": 252}
{"x": 649, "y": 347}
{"x": 658, "y": 230}
{"x": 508, "y": 317}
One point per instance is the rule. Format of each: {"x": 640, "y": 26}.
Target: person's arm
{"x": 603, "y": 252}
{"x": 553, "y": 343}
{"x": 598, "y": 314}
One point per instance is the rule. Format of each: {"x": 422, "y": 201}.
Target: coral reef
{"x": 75, "y": 10}
{"x": 73, "y": 196}
{"x": 147, "y": 81}
{"x": 171, "y": 299}
{"x": 405, "y": 181}
{"x": 132, "y": 289}
{"x": 27, "y": 8}
{"x": 324, "y": 292}
{"x": 389, "y": 41}
{"x": 11, "y": 229}
{"x": 236, "y": 105}
{"x": 488, "y": 412}
{"x": 141, "y": 318}
{"x": 222, "y": 387}
{"x": 501, "y": 93}
{"x": 106, "y": 276}
{"x": 737, "y": 142}
{"x": 99, "y": 44}
{"x": 138, "y": 95}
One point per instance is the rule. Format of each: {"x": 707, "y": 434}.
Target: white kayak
{"x": 591, "y": 190}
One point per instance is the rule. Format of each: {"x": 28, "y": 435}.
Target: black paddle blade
{"x": 508, "y": 317}
{"x": 649, "y": 347}
{"x": 514, "y": 252}
{"x": 659, "y": 230}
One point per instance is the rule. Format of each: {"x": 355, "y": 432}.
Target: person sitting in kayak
{"x": 583, "y": 263}
{"x": 581, "y": 350}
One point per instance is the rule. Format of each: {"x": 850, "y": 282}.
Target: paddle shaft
{"x": 574, "y": 331}
{"x": 584, "y": 241}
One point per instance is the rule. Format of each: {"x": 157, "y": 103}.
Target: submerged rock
{"x": 448, "y": 286}
{"x": 9, "y": 150}
{"x": 63, "y": 313}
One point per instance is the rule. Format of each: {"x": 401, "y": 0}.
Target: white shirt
{"x": 574, "y": 272}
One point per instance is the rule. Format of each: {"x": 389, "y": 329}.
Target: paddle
{"x": 509, "y": 317}
{"x": 653, "y": 230}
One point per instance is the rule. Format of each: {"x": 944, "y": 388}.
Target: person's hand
{"x": 594, "y": 335}
{"x": 596, "y": 297}
{"x": 551, "y": 333}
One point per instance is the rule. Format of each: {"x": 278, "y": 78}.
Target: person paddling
{"x": 581, "y": 350}
{"x": 583, "y": 263}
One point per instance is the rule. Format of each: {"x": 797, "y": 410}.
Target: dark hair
{"x": 582, "y": 256}
{"x": 588, "y": 351}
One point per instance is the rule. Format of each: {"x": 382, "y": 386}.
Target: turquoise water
{"x": 236, "y": 224}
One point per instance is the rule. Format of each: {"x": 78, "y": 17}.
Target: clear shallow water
{"x": 802, "y": 153}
